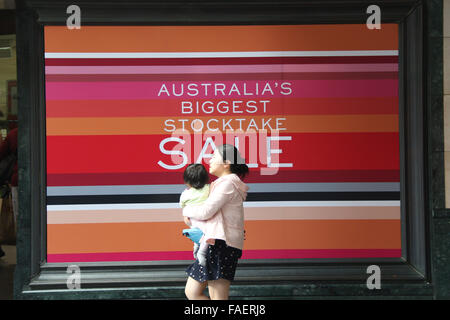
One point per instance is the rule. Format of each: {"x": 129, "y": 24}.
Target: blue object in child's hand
{"x": 195, "y": 234}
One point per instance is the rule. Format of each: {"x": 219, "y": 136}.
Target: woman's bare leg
{"x": 194, "y": 289}
{"x": 219, "y": 289}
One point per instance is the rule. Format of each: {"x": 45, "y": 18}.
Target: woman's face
{"x": 216, "y": 165}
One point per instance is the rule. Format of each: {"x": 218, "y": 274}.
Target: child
{"x": 196, "y": 178}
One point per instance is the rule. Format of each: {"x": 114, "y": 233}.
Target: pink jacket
{"x": 226, "y": 197}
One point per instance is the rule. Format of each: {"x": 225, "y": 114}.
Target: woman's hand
{"x": 187, "y": 221}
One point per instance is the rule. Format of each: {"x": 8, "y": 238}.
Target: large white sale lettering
{"x": 261, "y": 150}
{"x": 234, "y": 113}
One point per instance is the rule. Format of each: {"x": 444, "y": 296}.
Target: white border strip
{"x": 250, "y": 204}
{"x": 237, "y": 54}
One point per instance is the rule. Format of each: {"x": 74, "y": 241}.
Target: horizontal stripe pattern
{"x": 247, "y": 254}
{"x": 193, "y": 39}
{"x": 219, "y": 61}
{"x": 255, "y": 187}
{"x": 221, "y": 76}
{"x": 156, "y": 125}
{"x": 166, "y": 236}
{"x": 145, "y": 206}
{"x": 150, "y": 90}
{"x": 261, "y": 212}
{"x": 168, "y": 55}
{"x": 277, "y": 68}
{"x": 291, "y": 176}
{"x": 334, "y": 189}
{"x": 323, "y": 151}
{"x": 252, "y": 196}
{"x": 171, "y": 107}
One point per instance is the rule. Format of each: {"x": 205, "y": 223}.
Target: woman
{"x": 226, "y": 198}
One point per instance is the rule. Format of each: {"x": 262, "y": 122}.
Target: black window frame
{"x": 32, "y": 15}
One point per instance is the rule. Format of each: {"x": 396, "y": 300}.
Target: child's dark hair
{"x": 196, "y": 175}
{"x": 237, "y": 163}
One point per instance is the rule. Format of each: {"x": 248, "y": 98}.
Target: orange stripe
{"x": 220, "y": 38}
{"x": 286, "y": 123}
{"x": 260, "y": 235}
{"x": 171, "y": 107}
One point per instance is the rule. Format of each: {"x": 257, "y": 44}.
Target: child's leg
{"x": 201, "y": 253}
{"x": 196, "y": 247}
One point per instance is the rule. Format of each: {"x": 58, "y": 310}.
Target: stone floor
{"x": 7, "y": 266}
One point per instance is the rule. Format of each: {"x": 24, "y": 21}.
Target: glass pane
{"x": 312, "y": 108}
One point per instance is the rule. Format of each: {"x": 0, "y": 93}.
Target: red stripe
{"x": 141, "y": 153}
{"x": 216, "y": 61}
{"x": 149, "y": 178}
{"x": 221, "y": 76}
{"x": 247, "y": 254}
{"x": 172, "y": 107}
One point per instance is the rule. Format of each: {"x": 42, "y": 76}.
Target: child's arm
{"x": 184, "y": 197}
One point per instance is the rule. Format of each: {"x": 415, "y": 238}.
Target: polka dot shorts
{"x": 221, "y": 263}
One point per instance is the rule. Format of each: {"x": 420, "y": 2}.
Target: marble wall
{"x": 446, "y": 57}
{"x": 438, "y": 18}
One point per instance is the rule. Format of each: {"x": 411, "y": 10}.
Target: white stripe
{"x": 115, "y": 206}
{"x": 250, "y": 204}
{"x": 131, "y": 55}
{"x": 381, "y": 203}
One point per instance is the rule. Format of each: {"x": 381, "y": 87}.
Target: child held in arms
{"x": 202, "y": 233}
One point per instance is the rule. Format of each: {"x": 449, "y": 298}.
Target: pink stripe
{"x": 325, "y": 253}
{"x": 150, "y": 90}
{"x": 120, "y": 256}
{"x": 247, "y": 254}
{"x": 263, "y": 68}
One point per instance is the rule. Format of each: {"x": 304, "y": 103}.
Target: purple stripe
{"x": 150, "y": 90}
{"x": 247, "y": 254}
{"x": 216, "y": 61}
{"x": 220, "y": 77}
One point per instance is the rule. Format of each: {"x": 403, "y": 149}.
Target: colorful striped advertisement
{"x": 313, "y": 110}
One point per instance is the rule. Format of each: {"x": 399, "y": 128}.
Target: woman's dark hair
{"x": 237, "y": 163}
{"x": 196, "y": 175}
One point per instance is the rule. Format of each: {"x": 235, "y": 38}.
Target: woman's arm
{"x": 221, "y": 194}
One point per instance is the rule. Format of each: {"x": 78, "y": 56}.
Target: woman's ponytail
{"x": 237, "y": 163}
